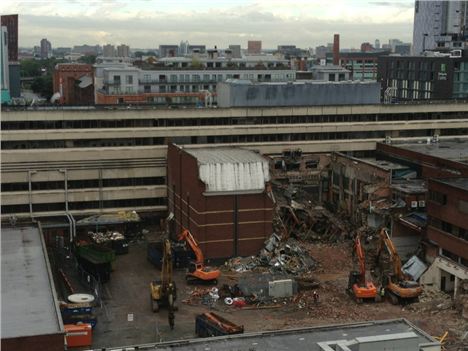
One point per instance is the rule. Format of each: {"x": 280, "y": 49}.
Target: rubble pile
{"x": 461, "y": 300}
{"x": 199, "y": 296}
{"x": 276, "y": 257}
{"x": 102, "y": 238}
{"x": 301, "y": 218}
{"x": 432, "y": 301}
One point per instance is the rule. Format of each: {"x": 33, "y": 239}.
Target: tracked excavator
{"x": 164, "y": 292}
{"x": 358, "y": 286}
{"x": 398, "y": 286}
{"x": 197, "y": 271}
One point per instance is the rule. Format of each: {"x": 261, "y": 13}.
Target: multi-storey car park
{"x": 81, "y": 162}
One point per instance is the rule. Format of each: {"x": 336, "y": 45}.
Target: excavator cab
{"x": 197, "y": 271}
{"x": 353, "y": 278}
{"x": 398, "y": 287}
{"x": 358, "y": 286}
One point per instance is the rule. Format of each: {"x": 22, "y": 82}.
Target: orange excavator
{"x": 358, "y": 286}
{"x": 397, "y": 285}
{"x": 197, "y": 270}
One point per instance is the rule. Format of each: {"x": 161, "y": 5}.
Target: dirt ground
{"x": 128, "y": 293}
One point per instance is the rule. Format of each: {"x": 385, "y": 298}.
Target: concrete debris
{"x": 461, "y": 300}
{"x": 277, "y": 257}
{"x": 432, "y": 301}
{"x": 102, "y": 238}
{"x": 305, "y": 220}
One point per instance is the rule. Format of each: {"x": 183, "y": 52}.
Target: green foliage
{"x": 43, "y": 86}
{"x": 36, "y": 68}
{"x": 30, "y": 68}
{"x": 196, "y": 63}
{"x": 89, "y": 59}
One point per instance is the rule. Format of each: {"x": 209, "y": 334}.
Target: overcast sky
{"x": 148, "y": 23}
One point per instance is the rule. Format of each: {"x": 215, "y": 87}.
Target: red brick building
{"x": 11, "y": 22}
{"x": 444, "y": 165}
{"x": 220, "y": 195}
{"x": 447, "y": 211}
{"x": 75, "y": 83}
{"x": 254, "y": 47}
{"x": 444, "y": 159}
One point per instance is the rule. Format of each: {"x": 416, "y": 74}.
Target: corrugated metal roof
{"x": 414, "y": 267}
{"x": 224, "y": 155}
{"x": 231, "y": 169}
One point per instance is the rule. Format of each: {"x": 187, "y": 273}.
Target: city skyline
{"x": 305, "y": 24}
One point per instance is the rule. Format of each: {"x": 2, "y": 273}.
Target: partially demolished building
{"x": 220, "y": 195}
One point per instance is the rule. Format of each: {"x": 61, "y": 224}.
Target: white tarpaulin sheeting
{"x": 231, "y": 169}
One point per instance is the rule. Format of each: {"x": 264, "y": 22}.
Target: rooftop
{"x": 231, "y": 170}
{"x": 451, "y": 150}
{"x": 224, "y": 155}
{"x": 460, "y": 183}
{"x": 316, "y": 338}
{"x": 386, "y": 165}
{"x": 413, "y": 186}
{"x": 29, "y": 305}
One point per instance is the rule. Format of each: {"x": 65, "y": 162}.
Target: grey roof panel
{"x": 224, "y": 155}
{"x": 28, "y": 300}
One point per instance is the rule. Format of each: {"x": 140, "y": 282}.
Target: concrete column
{"x": 455, "y": 287}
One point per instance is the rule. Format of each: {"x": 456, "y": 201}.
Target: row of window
{"x": 449, "y": 228}
{"x": 84, "y": 184}
{"x": 45, "y": 144}
{"x": 197, "y": 78}
{"x": 188, "y": 122}
{"x": 84, "y": 205}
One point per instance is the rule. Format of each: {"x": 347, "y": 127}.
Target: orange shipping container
{"x": 78, "y": 334}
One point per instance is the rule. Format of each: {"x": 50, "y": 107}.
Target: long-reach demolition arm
{"x": 357, "y": 284}
{"x": 198, "y": 270}
{"x": 398, "y": 286}
{"x": 188, "y": 237}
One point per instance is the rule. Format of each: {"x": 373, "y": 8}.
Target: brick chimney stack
{"x": 336, "y": 49}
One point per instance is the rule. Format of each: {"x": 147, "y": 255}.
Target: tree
{"x": 30, "y": 68}
{"x": 89, "y": 59}
{"x": 43, "y": 86}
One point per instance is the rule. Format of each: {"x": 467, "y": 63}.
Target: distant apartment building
{"x": 108, "y": 50}
{"x": 254, "y": 47}
{"x": 87, "y": 49}
{"x": 46, "y": 49}
{"x": 393, "y": 43}
{"x": 403, "y": 49}
{"x": 75, "y": 83}
{"x": 377, "y": 44}
{"x": 329, "y": 73}
{"x": 62, "y": 51}
{"x": 362, "y": 65}
{"x": 201, "y": 49}
{"x": 11, "y": 23}
{"x": 179, "y": 82}
{"x": 5, "y": 81}
{"x": 235, "y": 51}
{"x": 123, "y": 50}
{"x": 440, "y": 24}
{"x": 289, "y": 50}
{"x": 433, "y": 77}
{"x": 365, "y": 47}
{"x": 169, "y": 50}
{"x": 322, "y": 51}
